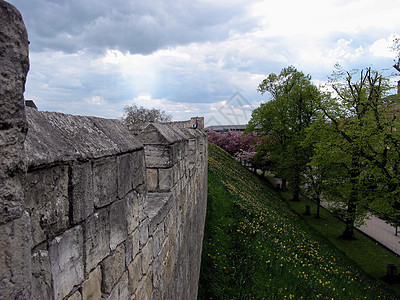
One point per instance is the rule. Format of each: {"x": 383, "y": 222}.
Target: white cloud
{"x": 187, "y": 57}
{"x": 96, "y": 100}
{"x": 383, "y": 47}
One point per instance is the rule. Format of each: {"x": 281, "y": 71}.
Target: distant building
{"x": 226, "y": 128}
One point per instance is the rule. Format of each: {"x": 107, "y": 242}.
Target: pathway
{"x": 382, "y": 232}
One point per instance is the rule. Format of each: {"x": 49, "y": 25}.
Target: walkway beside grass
{"x": 382, "y": 232}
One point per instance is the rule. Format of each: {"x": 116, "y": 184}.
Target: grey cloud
{"x": 135, "y": 26}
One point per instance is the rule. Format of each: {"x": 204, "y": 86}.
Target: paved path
{"x": 382, "y": 232}
{"x": 374, "y": 227}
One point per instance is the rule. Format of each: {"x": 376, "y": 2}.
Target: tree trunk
{"x": 348, "y": 233}
{"x": 318, "y": 202}
{"x": 296, "y": 188}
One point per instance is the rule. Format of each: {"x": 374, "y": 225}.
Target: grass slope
{"x": 256, "y": 247}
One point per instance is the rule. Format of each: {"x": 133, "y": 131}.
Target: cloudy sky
{"x": 193, "y": 57}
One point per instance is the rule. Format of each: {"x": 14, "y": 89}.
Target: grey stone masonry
{"x": 15, "y": 239}
{"x": 89, "y": 210}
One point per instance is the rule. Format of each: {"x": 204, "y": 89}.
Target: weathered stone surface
{"x": 125, "y": 174}
{"x": 97, "y": 238}
{"x": 143, "y": 232}
{"x": 166, "y": 181}
{"x": 82, "y": 191}
{"x": 135, "y": 242}
{"x": 41, "y": 275}
{"x": 158, "y": 206}
{"x": 118, "y": 225}
{"x": 91, "y": 288}
{"x": 75, "y": 296}
{"x": 15, "y": 243}
{"x": 112, "y": 269}
{"x": 46, "y": 198}
{"x": 105, "y": 181}
{"x": 156, "y": 133}
{"x": 147, "y": 256}
{"x": 132, "y": 211}
{"x": 158, "y": 239}
{"x": 139, "y": 168}
{"x": 145, "y": 288}
{"x": 66, "y": 257}
{"x": 158, "y": 156}
{"x": 152, "y": 179}
{"x": 135, "y": 273}
{"x": 15, "y": 262}
{"x": 56, "y": 137}
{"x": 14, "y": 65}
{"x": 121, "y": 290}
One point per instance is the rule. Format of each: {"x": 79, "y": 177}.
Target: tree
{"x": 134, "y": 114}
{"x": 282, "y": 122}
{"x": 359, "y": 145}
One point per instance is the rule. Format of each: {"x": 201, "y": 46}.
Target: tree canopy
{"x": 283, "y": 120}
{"x": 134, "y": 114}
{"x": 343, "y": 146}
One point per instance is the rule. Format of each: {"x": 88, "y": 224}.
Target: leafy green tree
{"x": 282, "y": 123}
{"x": 359, "y": 145}
{"x": 134, "y": 114}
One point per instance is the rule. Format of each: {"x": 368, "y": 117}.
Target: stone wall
{"x": 114, "y": 215}
{"x": 15, "y": 266}
{"x": 88, "y": 209}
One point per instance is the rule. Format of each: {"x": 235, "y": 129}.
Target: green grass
{"x": 372, "y": 258}
{"x": 256, "y": 247}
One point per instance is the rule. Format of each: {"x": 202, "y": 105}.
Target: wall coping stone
{"x": 53, "y": 137}
{"x": 159, "y": 133}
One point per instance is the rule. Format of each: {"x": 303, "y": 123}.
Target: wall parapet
{"x": 114, "y": 215}
{"x": 81, "y": 216}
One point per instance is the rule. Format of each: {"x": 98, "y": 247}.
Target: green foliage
{"x": 282, "y": 122}
{"x": 357, "y": 146}
{"x": 256, "y": 247}
{"x": 134, "y": 114}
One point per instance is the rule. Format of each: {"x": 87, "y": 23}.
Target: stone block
{"x": 112, "y": 268}
{"x": 143, "y": 232}
{"x": 166, "y": 179}
{"x": 145, "y": 288}
{"x": 135, "y": 273}
{"x": 158, "y": 205}
{"x": 158, "y": 156}
{"x": 66, "y": 257}
{"x": 128, "y": 250}
{"x": 82, "y": 191}
{"x": 152, "y": 179}
{"x": 121, "y": 290}
{"x": 147, "y": 256}
{"x": 125, "y": 174}
{"x": 46, "y": 199}
{"x": 135, "y": 242}
{"x": 118, "y": 225}
{"x": 15, "y": 259}
{"x": 75, "y": 296}
{"x": 97, "y": 238}
{"x": 41, "y": 275}
{"x": 91, "y": 288}
{"x": 132, "y": 211}
{"x": 158, "y": 239}
{"x": 159, "y": 274}
{"x": 104, "y": 181}
{"x": 139, "y": 168}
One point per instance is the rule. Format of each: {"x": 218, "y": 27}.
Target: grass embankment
{"x": 256, "y": 247}
{"x": 371, "y": 257}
